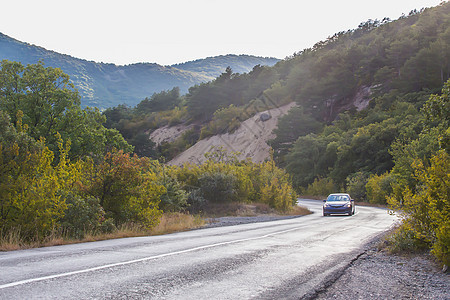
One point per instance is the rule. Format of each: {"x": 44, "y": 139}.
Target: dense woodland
{"x": 73, "y": 169}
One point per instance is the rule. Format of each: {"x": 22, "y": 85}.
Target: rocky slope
{"x": 249, "y": 140}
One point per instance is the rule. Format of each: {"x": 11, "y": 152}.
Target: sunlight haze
{"x": 175, "y": 31}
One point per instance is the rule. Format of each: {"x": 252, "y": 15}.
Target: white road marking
{"x": 21, "y": 282}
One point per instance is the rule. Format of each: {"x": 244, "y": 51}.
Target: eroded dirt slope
{"x": 249, "y": 140}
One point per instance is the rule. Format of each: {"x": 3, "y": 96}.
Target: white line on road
{"x": 21, "y": 282}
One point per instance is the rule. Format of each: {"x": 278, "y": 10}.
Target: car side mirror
{"x": 325, "y": 200}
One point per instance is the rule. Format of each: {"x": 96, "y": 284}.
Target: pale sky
{"x": 174, "y": 31}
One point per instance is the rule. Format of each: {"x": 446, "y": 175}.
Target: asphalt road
{"x": 284, "y": 259}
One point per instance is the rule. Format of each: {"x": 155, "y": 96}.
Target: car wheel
{"x": 350, "y": 213}
{"x": 324, "y": 214}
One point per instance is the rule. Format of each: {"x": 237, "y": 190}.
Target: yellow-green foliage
{"x": 253, "y": 182}
{"x": 321, "y": 187}
{"x": 426, "y": 211}
{"x": 117, "y": 189}
{"x": 34, "y": 186}
{"x": 32, "y": 202}
{"x": 378, "y": 187}
{"x": 225, "y": 120}
{"x": 169, "y": 117}
{"x": 280, "y": 196}
{"x": 127, "y": 188}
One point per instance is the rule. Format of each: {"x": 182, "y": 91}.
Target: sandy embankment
{"x": 250, "y": 139}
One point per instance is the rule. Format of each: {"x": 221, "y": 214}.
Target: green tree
{"x": 51, "y": 105}
{"x": 290, "y": 127}
{"x": 164, "y": 100}
{"x": 127, "y": 188}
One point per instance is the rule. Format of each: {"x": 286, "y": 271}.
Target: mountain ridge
{"x": 105, "y": 84}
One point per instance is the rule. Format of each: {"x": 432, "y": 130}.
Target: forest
{"x": 75, "y": 170}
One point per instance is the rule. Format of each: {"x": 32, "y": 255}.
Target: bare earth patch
{"x": 249, "y": 140}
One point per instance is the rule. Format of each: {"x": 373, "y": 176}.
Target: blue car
{"x": 339, "y": 204}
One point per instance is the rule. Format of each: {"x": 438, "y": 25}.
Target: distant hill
{"x": 106, "y": 85}
{"x": 214, "y": 66}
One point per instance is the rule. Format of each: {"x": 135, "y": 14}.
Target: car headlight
{"x": 349, "y": 204}
{"x": 325, "y": 205}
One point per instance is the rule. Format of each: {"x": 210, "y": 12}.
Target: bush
{"x": 128, "y": 189}
{"x": 426, "y": 210}
{"x": 356, "y": 185}
{"x": 403, "y": 239}
{"x": 378, "y": 188}
{"x": 278, "y": 195}
{"x": 224, "y": 120}
{"x": 217, "y": 187}
{"x": 321, "y": 187}
{"x": 196, "y": 202}
{"x": 82, "y": 215}
{"x": 175, "y": 198}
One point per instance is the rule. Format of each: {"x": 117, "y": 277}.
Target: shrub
{"x": 321, "y": 187}
{"x": 426, "y": 210}
{"x": 280, "y": 196}
{"x": 107, "y": 226}
{"x": 403, "y": 239}
{"x": 83, "y": 215}
{"x": 196, "y": 202}
{"x": 356, "y": 185}
{"x": 225, "y": 120}
{"x": 378, "y": 188}
{"x": 175, "y": 198}
{"x": 217, "y": 187}
{"x": 128, "y": 189}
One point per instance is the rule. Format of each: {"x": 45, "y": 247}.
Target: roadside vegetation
{"x": 64, "y": 176}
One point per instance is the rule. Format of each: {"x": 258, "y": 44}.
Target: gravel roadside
{"x": 380, "y": 275}
{"x": 374, "y": 274}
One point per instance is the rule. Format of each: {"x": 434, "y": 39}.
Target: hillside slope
{"x": 249, "y": 140}
{"x": 106, "y": 85}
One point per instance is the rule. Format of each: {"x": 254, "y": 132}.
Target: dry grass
{"x": 298, "y": 211}
{"x": 169, "y": 223}
{"x": 175, "y": 222}
{"x": 234, "y": 209}
{"x": 12, "y": 241}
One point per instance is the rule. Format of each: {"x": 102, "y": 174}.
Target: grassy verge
{"x": 235, "y": 209}
{"x": 169, "y": 223}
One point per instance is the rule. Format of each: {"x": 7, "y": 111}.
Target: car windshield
{"x": 337, "y": 198}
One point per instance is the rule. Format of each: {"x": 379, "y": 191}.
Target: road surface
{"x": 284, "y": 259}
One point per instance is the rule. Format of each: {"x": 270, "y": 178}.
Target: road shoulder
{"x": 378, "y": 275}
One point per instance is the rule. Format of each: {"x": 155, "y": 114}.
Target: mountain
{"x": 214, "y": 66}
{"x": 106, "y": 85}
